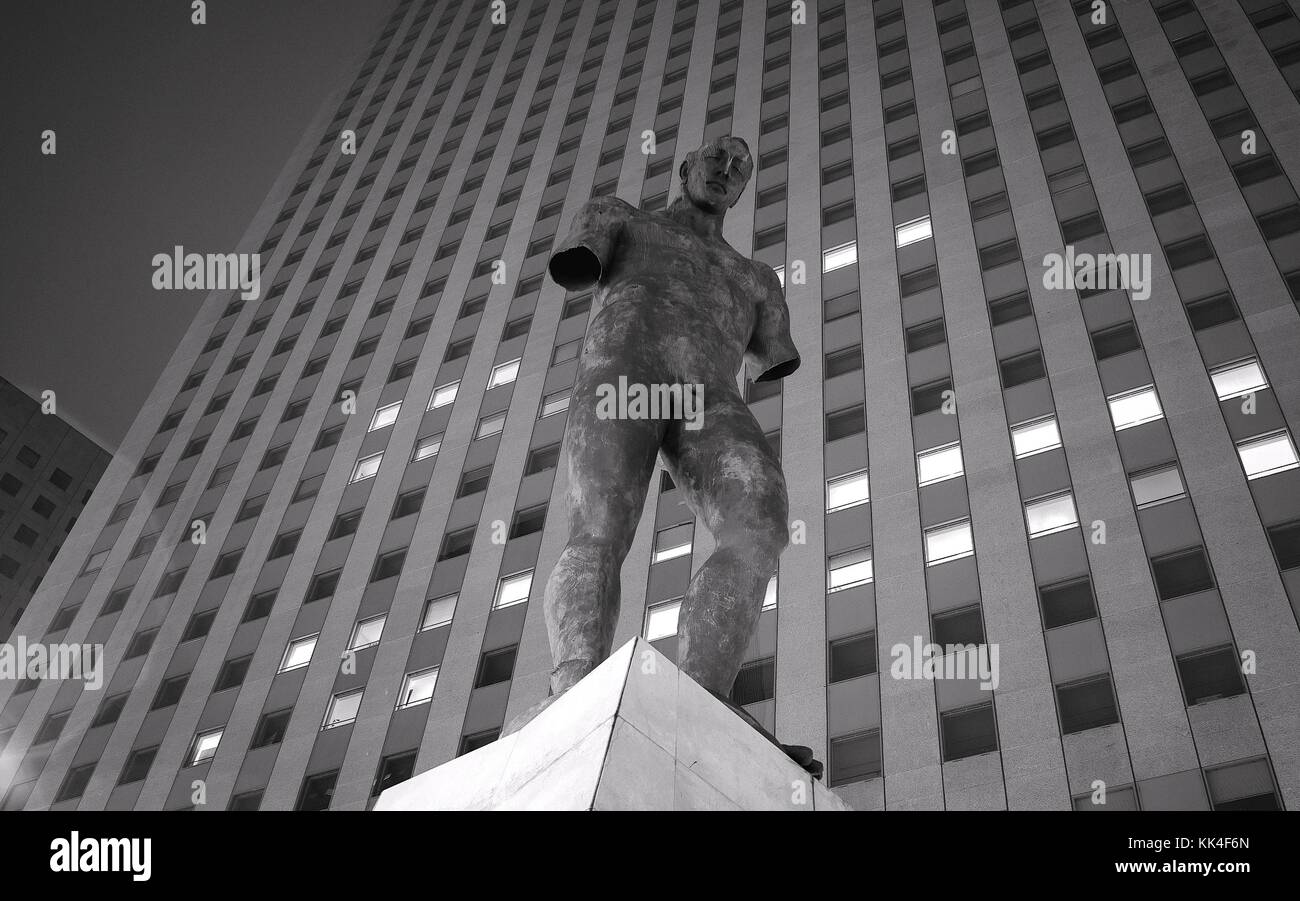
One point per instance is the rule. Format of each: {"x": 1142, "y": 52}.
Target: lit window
{"x": 443, "y": 395}
{"x": 555, "y": 403}
{"x": 847, "y": 491}
{"x": 1237, "y": 379}
{"x": 417, "y": 687}
{"x": 850, "y": 568}
{"x": 948, "y": 542}
{"x": 1051, "y": 514}
{"x": 367, "y": 467}
{"x": 205, "y": 746}
{"x": 1134, "y": 407}
{"x": 911, "y": 232}
{"x": 367, "y": 632}
{"x": 769, "y": 596}
{"x": 504, "y": 374}
{"x": 513, "y": 589}
{"x": 438, "y": 612}
{"x": 938, "y": 464}
{"x": 672, "y": 543}
{"x": 780, "y": 274}
{"x": 839, "y": 257}
{"x": 1267, "y": 454}
{"x": 343, "y": 709}
{"x": 490, "y": 425}
{"x": 385, "y": 416}
{"x": 427, "y": 447}
{"x": 1157, "y": 486}
{"x": 661, "y": 620}
{"x": 1035, "y": 436}
{"x": 298, "y": 653}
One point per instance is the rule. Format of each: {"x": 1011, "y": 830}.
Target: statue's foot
{"x": 528, "y": 715}
{"x": 800, "y": 754}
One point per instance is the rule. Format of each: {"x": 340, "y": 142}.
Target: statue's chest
{"x": 676, "y": 252}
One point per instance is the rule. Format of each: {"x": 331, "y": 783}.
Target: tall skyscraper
{"x": 1042, "y": 262}
{"x": 48, "y": 470}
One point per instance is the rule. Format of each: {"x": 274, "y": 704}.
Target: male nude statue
{"x": 677, "y": 306}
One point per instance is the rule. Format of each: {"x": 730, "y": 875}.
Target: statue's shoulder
{"x": 609, "y": 205}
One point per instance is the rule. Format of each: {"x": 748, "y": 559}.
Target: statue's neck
{"x": 706, "y": 225}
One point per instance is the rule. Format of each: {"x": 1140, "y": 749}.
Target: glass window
{"x": 418, "y": 687}
{"x": 1051, "y": 514}
{"x": 769, "y": 596}
{"x": 847, "y": 491}
{"x": 367, "y": 467}
{"x": 673, "y": 542}
{"x": 1156, "y": 486}
{"x": 948, "y": 542}
{"x": 343, "y": 708}
{"x": 661, "y": 620}
{"x": 205, "y": 746}
{"x": 298, "y": 653}
{"x": 1035, "y": 436}
{"x": 1267, "y": 454}
{"x": 427, "y": 447}
{"x": 850, "y": 568}
{"x": 443, "y": 395}
{"x": 1134, "y": 407}
{"x": 504, "y": 374}
{"x": 513, "y": 589}
{"x": 1237, "y": 379}
{"x": 385, "y": 416}
{"x": 555, "y": 403}
{"x": 438, "y": 612}
{"x": 939, "y": 464}
{"x": 490, "y": 425}
{"x": 839, "y": 257}
{"x": 367, "y": 632}
{"x": 911, "y": 232}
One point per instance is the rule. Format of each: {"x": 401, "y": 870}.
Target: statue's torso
{"x": 666, "y": 286}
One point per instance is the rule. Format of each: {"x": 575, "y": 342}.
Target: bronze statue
{"x": 678, "y": 308}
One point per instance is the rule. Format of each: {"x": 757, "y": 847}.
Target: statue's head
{"x": 714, "y": 176}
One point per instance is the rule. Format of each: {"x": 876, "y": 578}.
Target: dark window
{"x": 542, "y": 458}
{"x": 1009, "y": 309}
{"x": 140, "y": 644}
{"x": 170, "y": 692}
{"x": 458, "y": 349}
{"x": 345, "y": 524}
{"x": 64, "y": 618}
{"x": 454, "y": 544}
{"x": 1171, "y": 198}
{"x": 232, "y": 673}
{"x": 1183, "y": 572}
{"x": 11, "y": 484}
{"x": 528, "y": 521}
{"x": 968, "y": 732}
{"x": 200, "y": 624}
{"x": 226, "y": 564}
{"x": 271, "y": 728}
{"x": 393, "y": 769}
{"x": 1116, "y": 340}
{"x": 918, "y": 281}
{"x": 999, "y": 254}
{"x": 1080, "y": 227}
{"x": 1188, "y": 252}
{"x": 755, "y": 683}
{"x": 1280, "y": 223}
{"x": 284, "y": 544}
{"x": 1067, "y": 602}
{"x": 990, "y": 205}
{"x": 323, "y": 585}
{"x": 403, "y": 370}
{"x": 843, "y": 423}
{"x": 60, "y": 479}
{"x": 110, "y": 710}
{"x": 477, "y": 740}
{"x": 246, "y": 801}
{"x": 1021, "y": 369}
{"x": 852, "y": 657}
{"x": 75, "y": 782}
{"x": 843, "y": 305}
{"x": 1210, "y": 675}
{"x": 1211, "y": 311}
{"x": 927, "y": 334}
{"x": 116, "y": 601}
{"x": 962, "y": 626}
{"x": 388, "y": 565}
{"x": 1086, "y": 704}
{"x": 473, "y": 481}
{"x": 496, "y": 666}
{"x": 841, "y": 361}
{"x": 928, "y": 398}
{"x": 317, "y": 791}
{"x": 251, "y": 507}
{"x": 854, "y": 758}
{"x": 259, "y": 605}
{"x": 1285, "y": 539}
{"x": 137, "y": 765}
{"x": 408, "y": 502}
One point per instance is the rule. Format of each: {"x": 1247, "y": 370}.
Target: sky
{"x": 167, "y": 133}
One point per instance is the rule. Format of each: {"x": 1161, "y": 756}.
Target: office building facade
{"x": 48, "y": 470}
{"x": 1042, "y": 263}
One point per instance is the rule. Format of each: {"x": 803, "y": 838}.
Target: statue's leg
{"x": 609, "y": 464}
{"x": 732, "y": 479}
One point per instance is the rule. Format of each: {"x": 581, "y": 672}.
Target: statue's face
{"x": 716, "y": 174}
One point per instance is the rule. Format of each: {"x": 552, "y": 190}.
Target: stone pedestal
{"x": 635, "y": 734}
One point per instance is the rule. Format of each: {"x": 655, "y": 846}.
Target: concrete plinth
{"x": 635, "y": 734}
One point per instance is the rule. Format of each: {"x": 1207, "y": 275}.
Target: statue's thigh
{"x": 609, "y": 463}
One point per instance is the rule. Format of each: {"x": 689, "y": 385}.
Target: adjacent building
{"x": 1042, "y": 262}
{"x": 48, "y": 470}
